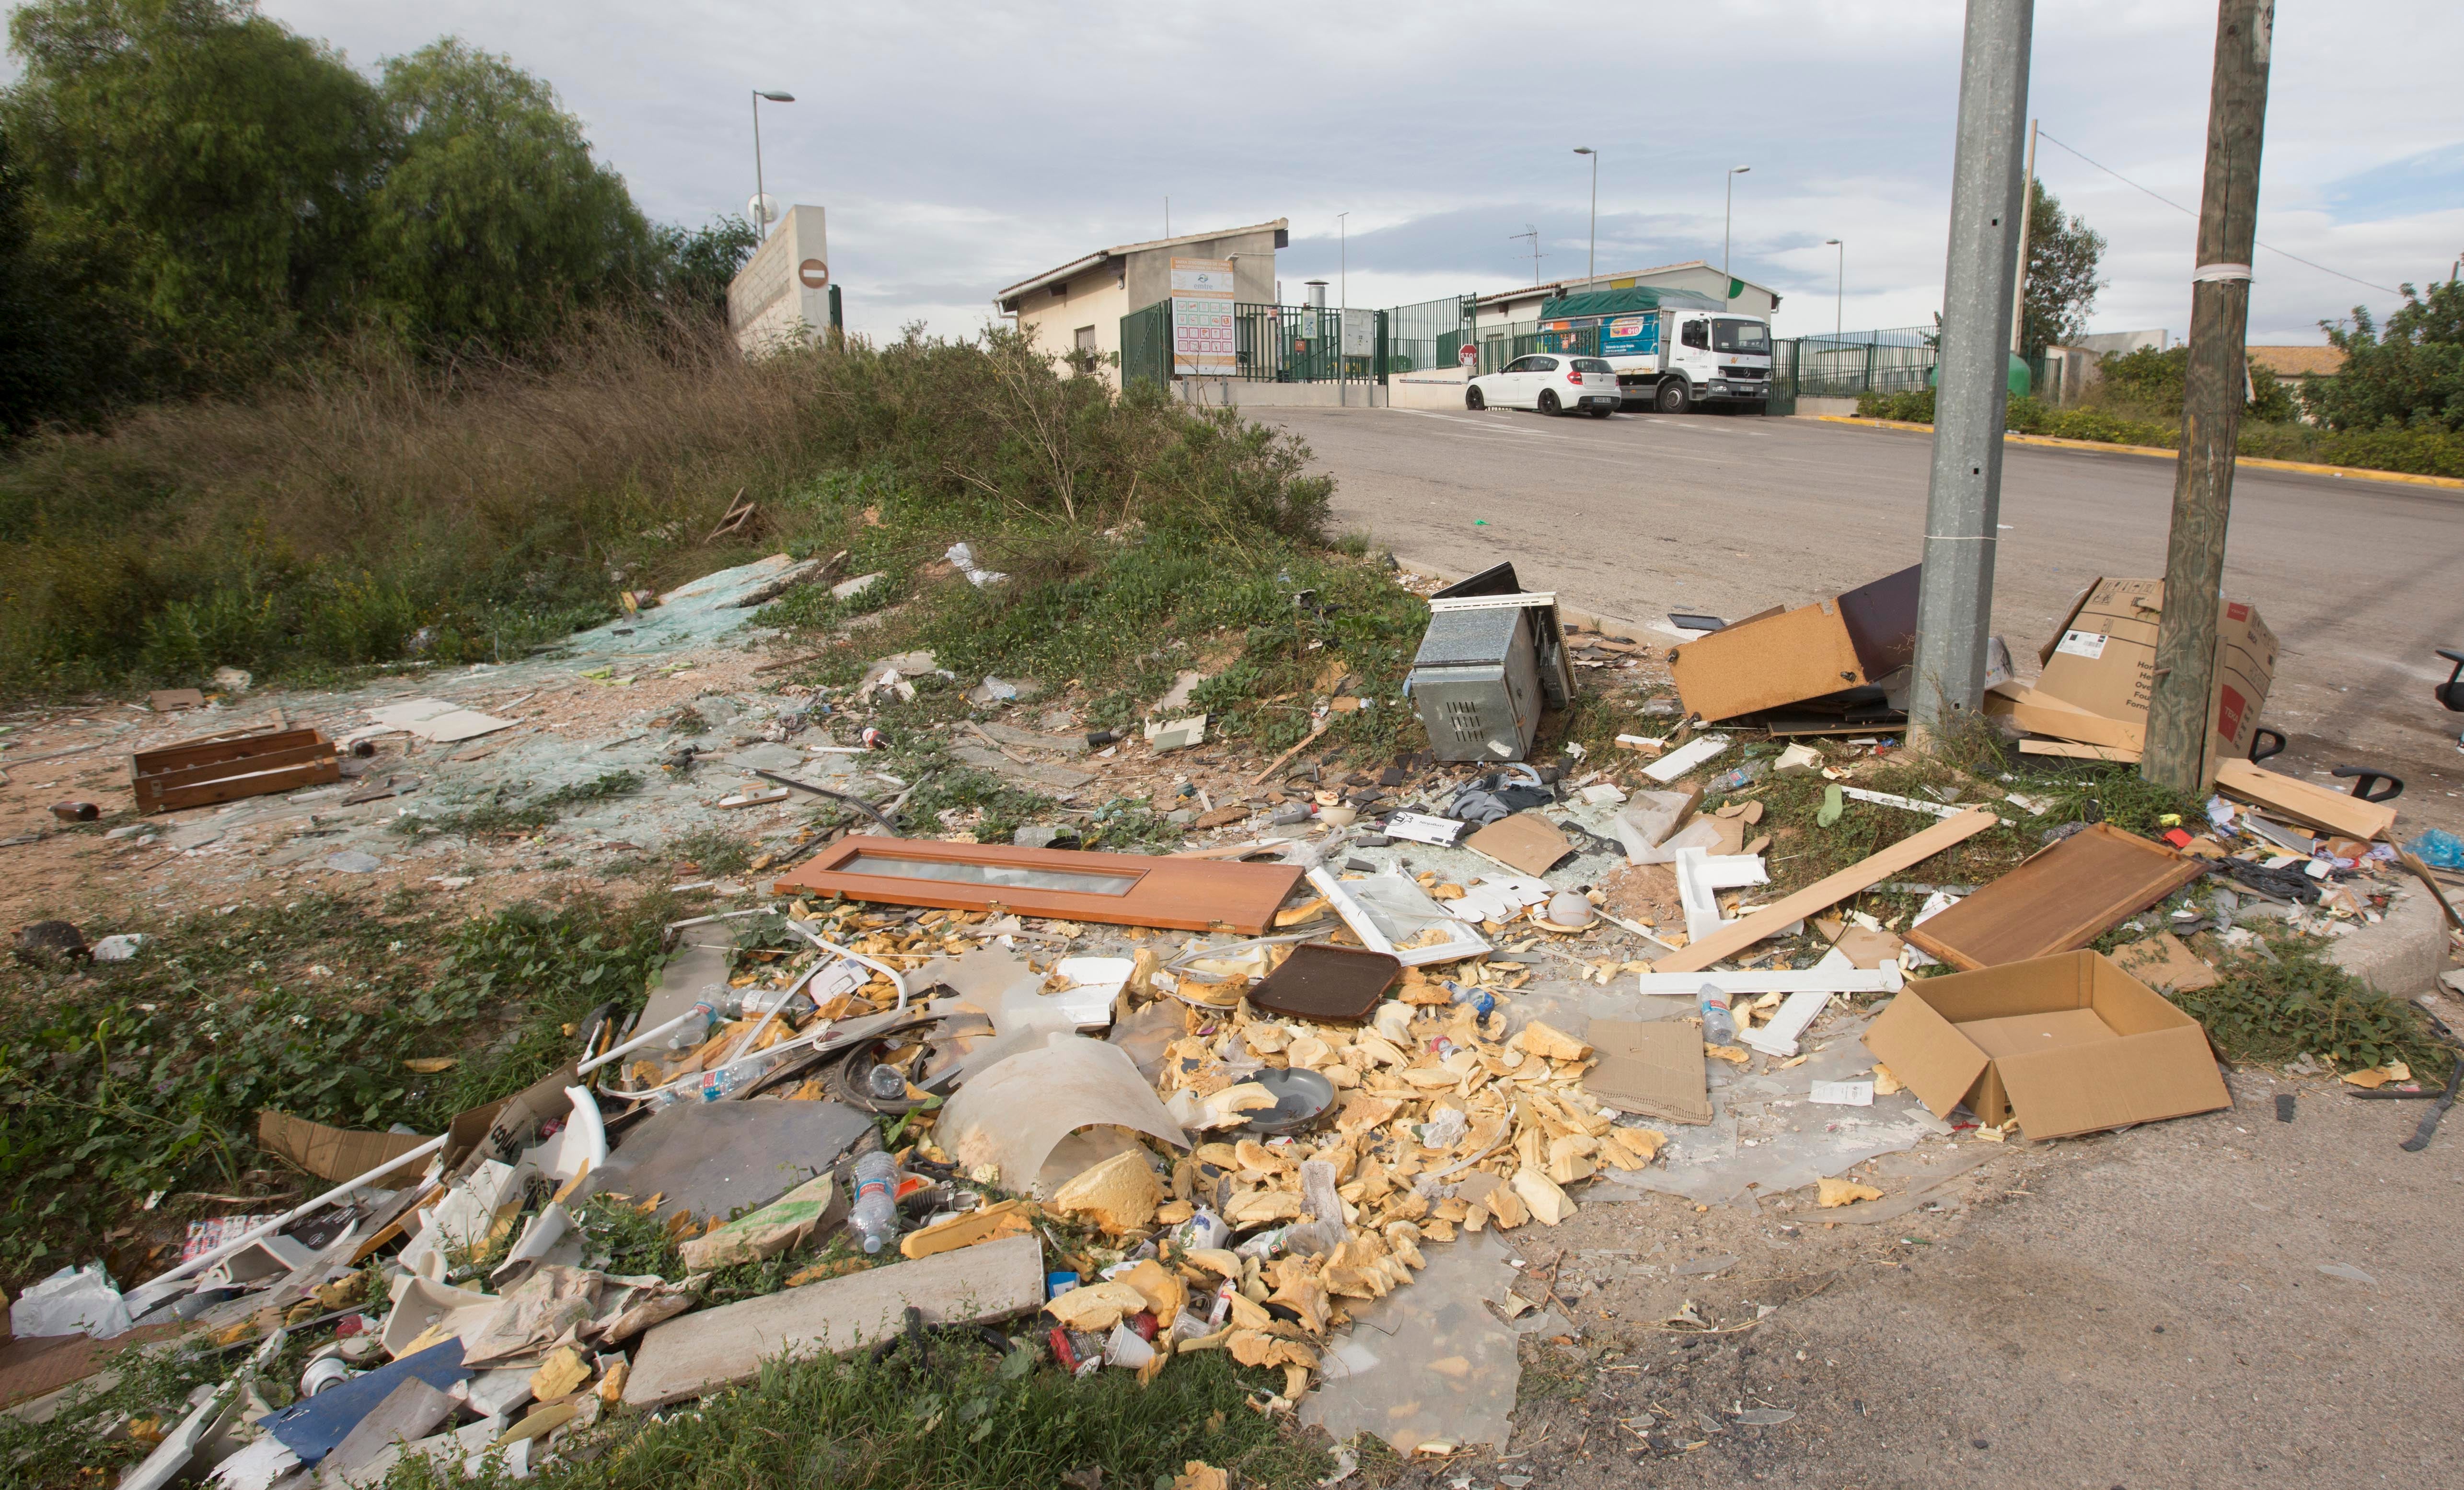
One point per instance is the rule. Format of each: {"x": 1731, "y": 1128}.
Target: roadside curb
{"x": 2404, "y": 953}
{"x": 2254, "y": 462}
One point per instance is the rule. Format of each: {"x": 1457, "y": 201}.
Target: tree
{"x": 694, "y": 267}
{"x": 2412, "y": 376}
{"x": 2063, "y": 253}
{"x": 492, "y": 222}
{"x": 212, "y": 163}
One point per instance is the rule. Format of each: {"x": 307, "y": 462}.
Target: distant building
{"x": 1523, "y": 302}
{"x": 2104, "y": 342}
{"x": 782, "y": 294}
{"x": 1078, "y": 306}
{"x": 2298, "y": 364}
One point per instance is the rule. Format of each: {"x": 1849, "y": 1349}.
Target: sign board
{"x": 1630, "y": 336}
{"x": 1202, "y": 319}
{"x": 1468, "y": 355}
{"x": 1359, "y": 333}
{"x": 780, "y": 297}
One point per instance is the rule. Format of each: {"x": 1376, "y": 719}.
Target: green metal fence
{"x": 1500, "y": 345}
{"x": 1430, "y": 334}
{"x": 1861, "y": 362}
{"x": 1146, "y": 346}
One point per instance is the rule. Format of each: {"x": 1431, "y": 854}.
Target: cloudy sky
{"x": 961, "y": 147}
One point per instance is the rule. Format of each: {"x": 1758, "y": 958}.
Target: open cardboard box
{"x": 2067, "y": 1044}
{"x": 1781, "y": 657}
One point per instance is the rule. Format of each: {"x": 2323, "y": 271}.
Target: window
{"x": 1011, "y": 876}
{"x": 1750, "y": 337}
{"x": 1086, "y": 338}
{"x": 1592, "y": 365}
{"x": 1521, "y": 365}
{"x": 1697, "y": 333}
{"x": 1061, "y": 292}
{"x": 1543, "y": 364}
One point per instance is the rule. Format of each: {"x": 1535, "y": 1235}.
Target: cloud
{"x": 961, "y": 148}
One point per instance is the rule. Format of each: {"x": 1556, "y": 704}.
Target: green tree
{"x": 208, "y": 163}
{"x": 2063, "y": 253}
{"x": 2408, "y": 376}
{"x": 694, "y": 266}
{"x": 494, "y": 223}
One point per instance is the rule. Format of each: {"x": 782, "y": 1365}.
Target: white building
{"x": 1079, "y": 305}
{"x": 1523, "y": 302}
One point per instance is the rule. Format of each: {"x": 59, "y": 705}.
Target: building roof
{"x": 1555, "y": 288}
{"x": 1101, "y": 256}
{"x": 2297, "y": 362}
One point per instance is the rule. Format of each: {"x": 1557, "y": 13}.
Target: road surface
{"x": 1642, "y": 514}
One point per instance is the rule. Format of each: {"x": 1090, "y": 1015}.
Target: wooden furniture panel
{"x": 1115, "y": 889}
{"x": 202, "y": 773}
{"x": 2059, "y": 901}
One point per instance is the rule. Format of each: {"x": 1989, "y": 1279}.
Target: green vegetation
{"x": 2063, "y": 254}
{"x": 147, "y": 1076}
{"x": 2281, "y": 998}
{"x": 499, "y": 817}
{"x": 2408, "y": 378}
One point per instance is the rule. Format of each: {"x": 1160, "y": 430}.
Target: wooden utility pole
{"x": 2180, "y": 748}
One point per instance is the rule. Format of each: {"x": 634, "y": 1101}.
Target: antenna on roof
{"x": 1533, "y": 234}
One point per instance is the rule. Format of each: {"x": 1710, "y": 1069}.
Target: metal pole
{"x": 1727, "y": 222}
{"x": 1964, "y": 500}
{"x": 1840, "y": 291}
{"x": 762, "y": 226}
{"x": 2027, "y": 216}
{"x": 1342, "y": 306}
{"x": 2180, "y": 745}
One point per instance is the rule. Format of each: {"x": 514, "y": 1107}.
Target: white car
{"x": 1550, "y": 382}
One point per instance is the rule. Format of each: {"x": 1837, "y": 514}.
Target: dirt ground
{"x": 2141, "y": 1309}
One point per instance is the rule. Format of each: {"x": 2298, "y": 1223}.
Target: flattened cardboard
{"x": 336, "y": 1154}
{"x": 2068, "y": 1044}
{"x": 2061, "y": 898}
{"x": 2165, "y": 964}
{"x": 1653, "y": 1067}
{"x": 2302, "y": 801}
{"x": 1527, "y": 843}
{"x": 2102, "y": 661}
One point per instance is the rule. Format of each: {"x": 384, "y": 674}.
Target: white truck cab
{"x": 1672, "y": 349}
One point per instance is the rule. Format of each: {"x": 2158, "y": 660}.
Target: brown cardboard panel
{"x": 2023, "y": 988}
{"x": 335, "y": 1154}
{"x": 1527, "y": 843}
{"x": 2068, "y": 751}
{"x": 2303, "y": 801}
{"x": 2043, "y": 713}
{"x": 2102, "y": 660}
{"x": 1653, "y": 1067}
{"x": 2163, "y": 962}
{"x": 1827, "y": 892}
{"x": 2133, "y": 1078}
{"x": 2061, "y": 898}
{"x": 1797, "y": 655}
{"x": 2033, "y": 1034}
{"x": 1927, "y": 1052}
{"x": 1115, "y": 889}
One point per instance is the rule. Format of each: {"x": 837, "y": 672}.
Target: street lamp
{"x": 758, "y": 93}
{"x": 1728, "y": 218}
{"x": 1839, "y": 290}
{"x": 1592, "y": 268}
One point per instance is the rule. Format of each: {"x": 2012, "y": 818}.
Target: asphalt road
{"x": 1640, "y": 515}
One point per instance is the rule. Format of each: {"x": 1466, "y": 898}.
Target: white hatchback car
{"x": 1550, "y": 382}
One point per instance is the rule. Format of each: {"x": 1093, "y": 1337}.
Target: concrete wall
{"x": 1233, "y": 393}
{"x": 1096, "y": 299}
{"x": 768, "y": 302}
{"x": 1439, "y": 388}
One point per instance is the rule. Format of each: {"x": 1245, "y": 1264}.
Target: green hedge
{"x": 2415, "y": 452}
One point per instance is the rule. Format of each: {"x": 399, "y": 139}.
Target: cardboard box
{"x": 1851, "y": 640}
{"x": 2066, "y": 1045}
{"x": 2102, "y": 661}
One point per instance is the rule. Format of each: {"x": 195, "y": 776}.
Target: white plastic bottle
{"x": 1719, "y": 1026}
{"x": 875, "y": 1216}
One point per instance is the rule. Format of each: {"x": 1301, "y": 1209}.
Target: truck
{"x": 1672, "y": 349}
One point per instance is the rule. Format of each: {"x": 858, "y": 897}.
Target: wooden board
{"x": 1827, "y": 892}
{"x": 201, "y": 773}
{"x": 2073, "y": 750}
{"x": 711, "y": 1348}
{"x": 2059, "y": 900}
{"x": 1782, "y": 659}
{"x": 1138, "y": 889}
{"x": 2303, "y": 802}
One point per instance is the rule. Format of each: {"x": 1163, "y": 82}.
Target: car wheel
{"x": 1671, "y": 397}
{"x": 1548, "y": 400}
{"x": 1473, "y": 400}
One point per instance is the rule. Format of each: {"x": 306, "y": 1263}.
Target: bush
{"x": 488, "y": 510}
{"x": 2409, "y": 377}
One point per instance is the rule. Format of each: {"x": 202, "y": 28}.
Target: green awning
{"x": 1625, "y": 302}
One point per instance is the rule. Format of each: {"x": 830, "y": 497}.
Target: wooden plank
{"x": 217, "y": 770}
{"x": 711, "y": 1348}
{"x": 2073, "y": 750}
{"x": 1826, "y": 891}
{"x": 1787, "y": 658}
{"x": 1193, "y": 894}
{"x": 2303, "y": 802}
{"x": 290, "y": 778}
{"x": 2059, "y": 900}
{"x": 226, "y": 747}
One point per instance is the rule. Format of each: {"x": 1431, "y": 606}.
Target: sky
{"x": 961, "y": 148}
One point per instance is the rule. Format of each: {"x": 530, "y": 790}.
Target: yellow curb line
{"x": 2255, "y": 462}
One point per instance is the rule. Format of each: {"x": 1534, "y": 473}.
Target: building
{"x": 1523, "y": 302}
{"x": 2102, "y": 343}
{"x": 2298, "y": 364}
{"x": 1078, "y": 307}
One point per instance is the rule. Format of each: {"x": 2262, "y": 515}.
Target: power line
{"x": 2179, "y": 207}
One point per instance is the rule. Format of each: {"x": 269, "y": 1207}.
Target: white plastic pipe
{"x": 584, "y": 1068}
{"x": 256, "y": 1233}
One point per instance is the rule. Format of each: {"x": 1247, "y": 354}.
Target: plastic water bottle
{"x": 875, "y": 1214}
{"x": 696, "y": 1029}
{"x": 1719, "y": 1026}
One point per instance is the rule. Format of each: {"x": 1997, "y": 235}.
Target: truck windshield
{"x": 1750, "y": 337}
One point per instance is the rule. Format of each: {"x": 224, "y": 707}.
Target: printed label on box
{"x": 2082, "y": 644}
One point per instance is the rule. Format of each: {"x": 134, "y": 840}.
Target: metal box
{"x": 1475, "y": 682}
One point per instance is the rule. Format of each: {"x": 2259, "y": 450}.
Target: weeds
{"x": 2282, "y": 998}
{"x": 709, "y": 851}
{"x": 145, "y": 1078}
{"x": 496, "y": 818}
